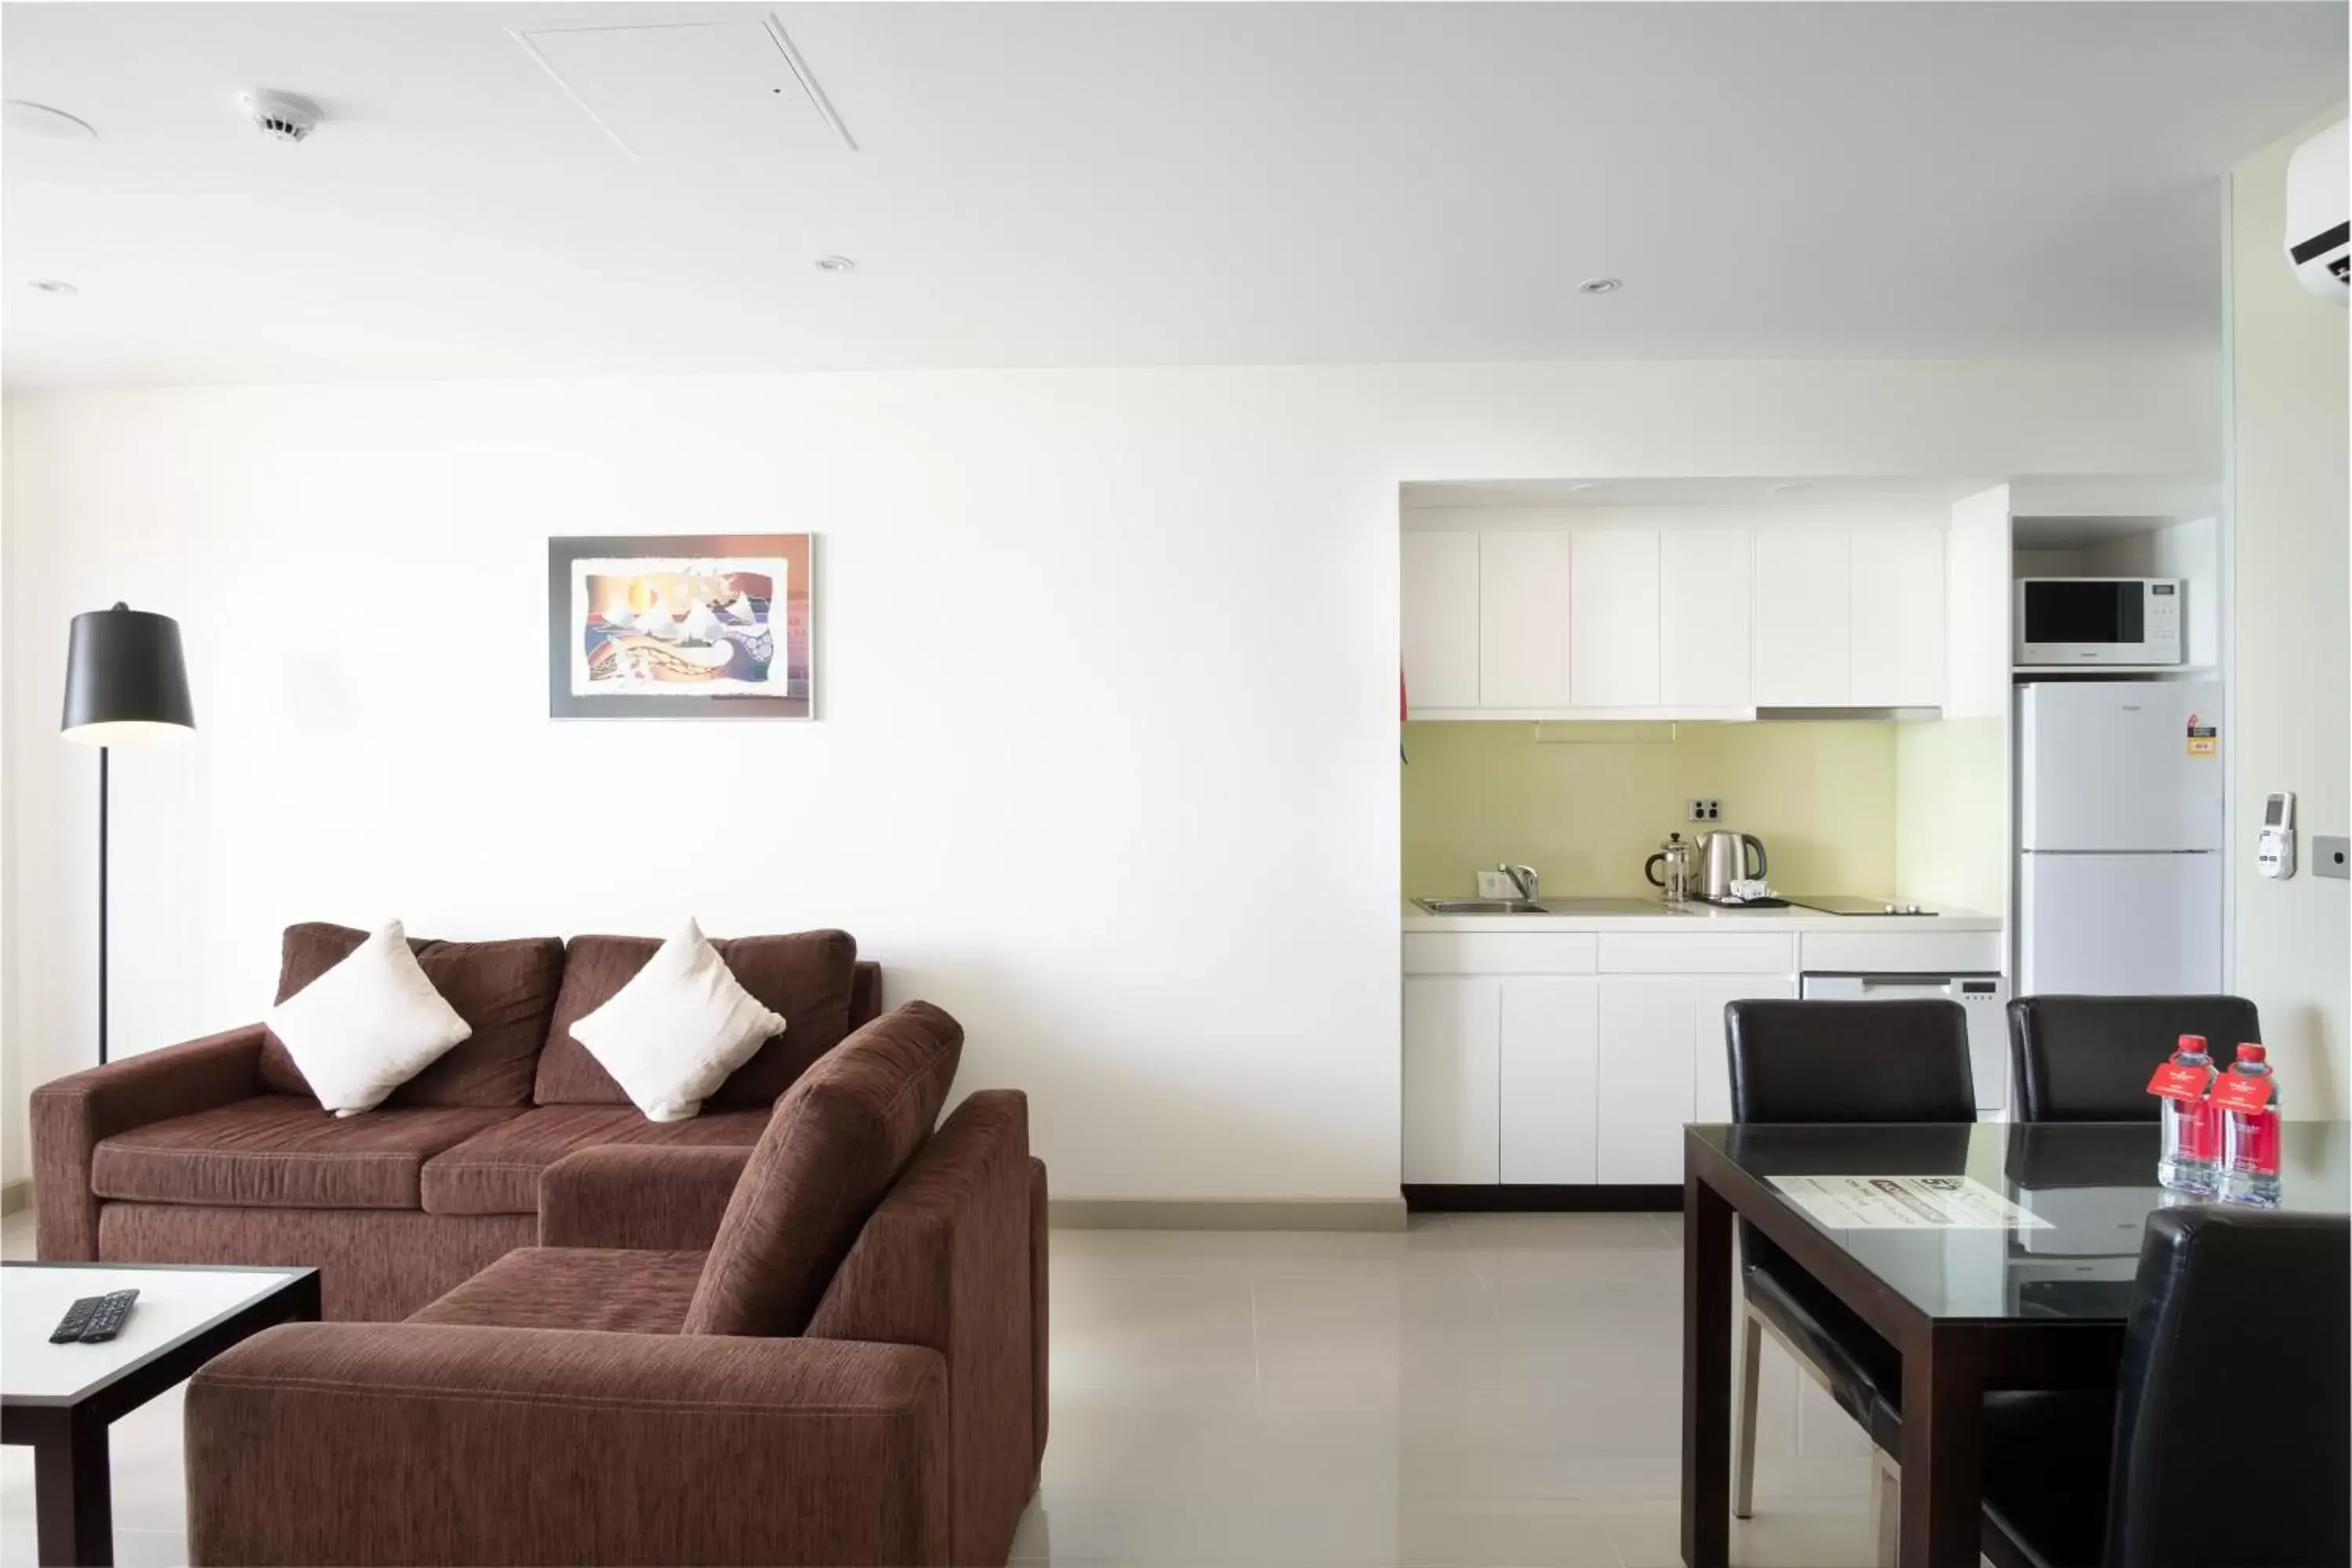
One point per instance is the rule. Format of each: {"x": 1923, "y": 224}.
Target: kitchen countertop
{"x": 1697, "y": 918}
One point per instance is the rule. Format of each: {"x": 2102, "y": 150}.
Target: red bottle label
{"x": 2243, "y": 1091}
{"x": 2177, "y": 1080}
{"x": 2254, "y": 1142}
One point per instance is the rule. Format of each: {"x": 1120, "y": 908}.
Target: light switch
{"x": 2331, "y": 857}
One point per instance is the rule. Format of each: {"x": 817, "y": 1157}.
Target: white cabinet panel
{"x": 1644, "y": 1091}
{"x": 1697, "y": 953}
{"x": 1441, "y": 619}
{"x": 1710, "y": 1056}
{"x": 1526, "y": 597}
{"x": 1550, "y": 1035}
{"x": 1895, "y": 952}
{"x": 1500, "y": 952}
{"x": 1804, "y": 616}
{"x": 1705, "y": 653}
{"x": 1898, "y": 618}
{"x": 1613, "y": 622}
{"x": 1452, "y": 1079}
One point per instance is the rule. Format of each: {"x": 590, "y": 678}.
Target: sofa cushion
{"x": 679, "y": 1029}
{"x": 806, "y": 976}
{"x": 280, "y": 1151}
{"x": 574, "y": 1287}
{"x": 505, "y": 990}
{"x": 838, "y": 1139}
{"x": 497, "y": 1171}
{"x": 367, "y": 1025}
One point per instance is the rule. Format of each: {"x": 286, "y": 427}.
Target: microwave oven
{"x": 2098, "y": 620}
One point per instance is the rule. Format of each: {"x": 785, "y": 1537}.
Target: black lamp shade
{"x": 125, "y": 678}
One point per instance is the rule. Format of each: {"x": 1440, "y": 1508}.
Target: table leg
{"x": 1706, "y": 1375}
{"x": 72, "y": 1495}
{"x": 1943, "y": 1448}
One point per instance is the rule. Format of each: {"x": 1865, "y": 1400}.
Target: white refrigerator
{"x": 2120, "y": 824}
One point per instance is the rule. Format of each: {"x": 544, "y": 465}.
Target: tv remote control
{"x": 76, "y": 1320}
{"x": 107, "y": 1321}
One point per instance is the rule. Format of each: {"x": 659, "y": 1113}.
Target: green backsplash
{"x": 1586, "y": 804}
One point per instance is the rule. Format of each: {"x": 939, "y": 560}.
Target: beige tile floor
{"x": 1479, "y": 1390}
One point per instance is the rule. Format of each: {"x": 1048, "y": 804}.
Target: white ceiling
{"x": 1089, "y": 185}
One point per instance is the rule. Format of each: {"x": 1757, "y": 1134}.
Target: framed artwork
{"x": 681, "y": 627}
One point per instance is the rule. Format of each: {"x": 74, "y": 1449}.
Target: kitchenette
{"x": 1674, "y": 744}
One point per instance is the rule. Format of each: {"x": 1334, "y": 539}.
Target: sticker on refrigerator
{"x": 2204, "y": 739}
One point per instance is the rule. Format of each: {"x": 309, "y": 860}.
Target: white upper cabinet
{"x": 1704, "y": 654}
{"x": 1526, "y": 607}
{"x": 1898, "y": 618}
{"x": 1699, "y": 617}
{"x": 1614, "y": 624}
{"x": 1441, "y": 619}
{"x": 1804, "y": 618}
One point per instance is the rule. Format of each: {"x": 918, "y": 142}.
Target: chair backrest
{"x": 834, "y": 1144}
{"x": 1849, "y": 1061}
{"x": 2241, "y": 1331}
{"x": 2087, "y": 1058}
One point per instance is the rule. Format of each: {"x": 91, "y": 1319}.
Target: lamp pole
{"x": 126, "y": 683}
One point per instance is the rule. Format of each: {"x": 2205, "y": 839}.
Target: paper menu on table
{"x": 1904, "y": 1203}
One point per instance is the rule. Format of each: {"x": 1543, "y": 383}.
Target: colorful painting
{"x": 687, "y": 626}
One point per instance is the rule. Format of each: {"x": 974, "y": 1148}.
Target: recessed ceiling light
{"x": 835, "y": 264}
{"x": 54, "y": 286}
{"x": 25, "y": 117}
{"x": 1790, "y": 487}
{"x": 1599, "y": 286}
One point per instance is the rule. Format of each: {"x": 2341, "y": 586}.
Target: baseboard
{"x": 16, "y": 1195}
{"x": 1532, "y": 1199}
{"x": 1229, "y": 1214}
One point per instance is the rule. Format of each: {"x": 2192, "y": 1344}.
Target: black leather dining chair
{"x": 2087, "y": 1058}
{"x": 1840, "y": 1062}
{"x": 2241, "y": 1334}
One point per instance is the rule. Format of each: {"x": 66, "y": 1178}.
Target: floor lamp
{"x": 126, "y": 685}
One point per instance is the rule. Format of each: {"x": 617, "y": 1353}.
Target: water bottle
{"x": 2249, "y": 1139}
{"x": 2191, "y": 1150}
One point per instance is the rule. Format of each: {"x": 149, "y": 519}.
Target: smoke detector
{"x": 280, "y": 116}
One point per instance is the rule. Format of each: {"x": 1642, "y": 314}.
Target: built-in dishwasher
{"x": 1984, "y": 996}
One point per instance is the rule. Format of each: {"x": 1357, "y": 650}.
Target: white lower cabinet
{"x": 1540, "y": 1078}
{"x": 1551, "y": 1044}
{"x": 1452, "y": 1089}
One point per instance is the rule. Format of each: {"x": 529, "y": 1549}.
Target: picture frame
{"x": 691, "y": 625}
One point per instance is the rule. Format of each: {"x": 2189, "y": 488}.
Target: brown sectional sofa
{"x": 214, "y": 1150}
{"x": 828, "y": 1348}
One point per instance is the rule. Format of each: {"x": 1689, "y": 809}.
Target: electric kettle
{"x": 1723, "y": 860}
{"x": 1669, "y": 869}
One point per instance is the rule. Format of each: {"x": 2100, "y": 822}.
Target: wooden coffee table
{"x": 61, "y": 1398}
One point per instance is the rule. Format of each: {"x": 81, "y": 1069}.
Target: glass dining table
{"x": 1990, "y": 1255}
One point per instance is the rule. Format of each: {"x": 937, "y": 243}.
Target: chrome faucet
{"x": 1524, "y": 880}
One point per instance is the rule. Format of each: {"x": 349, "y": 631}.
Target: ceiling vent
{"x": 281, "y": 116}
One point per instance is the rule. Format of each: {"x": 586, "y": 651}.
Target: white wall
{"x": 1106, "y": 660}
{"x": 2293, "y": 668}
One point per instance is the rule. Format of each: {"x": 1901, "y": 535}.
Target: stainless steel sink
{"x": 1605, "y": 907}
{"x": 1543, "y": 906}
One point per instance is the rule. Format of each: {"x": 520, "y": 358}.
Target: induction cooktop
{"x": 1839, "y": 904}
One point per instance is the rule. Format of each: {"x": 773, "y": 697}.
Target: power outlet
{"x": 1705, "y": 809}
{"x": 1497, "y": 885}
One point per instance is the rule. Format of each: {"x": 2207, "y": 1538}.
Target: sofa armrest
{"x": 71, "y": 1116}
{"x": 945, "y": 1262}
{"x": 411, "y": 1443}
{"x": 645, "y": 1199}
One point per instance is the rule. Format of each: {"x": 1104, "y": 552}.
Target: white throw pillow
{"x": 670, "y": 1037}
{"x": 368, "y": 1025}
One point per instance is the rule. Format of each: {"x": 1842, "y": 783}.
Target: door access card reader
{"x": 2274, "y": 850}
